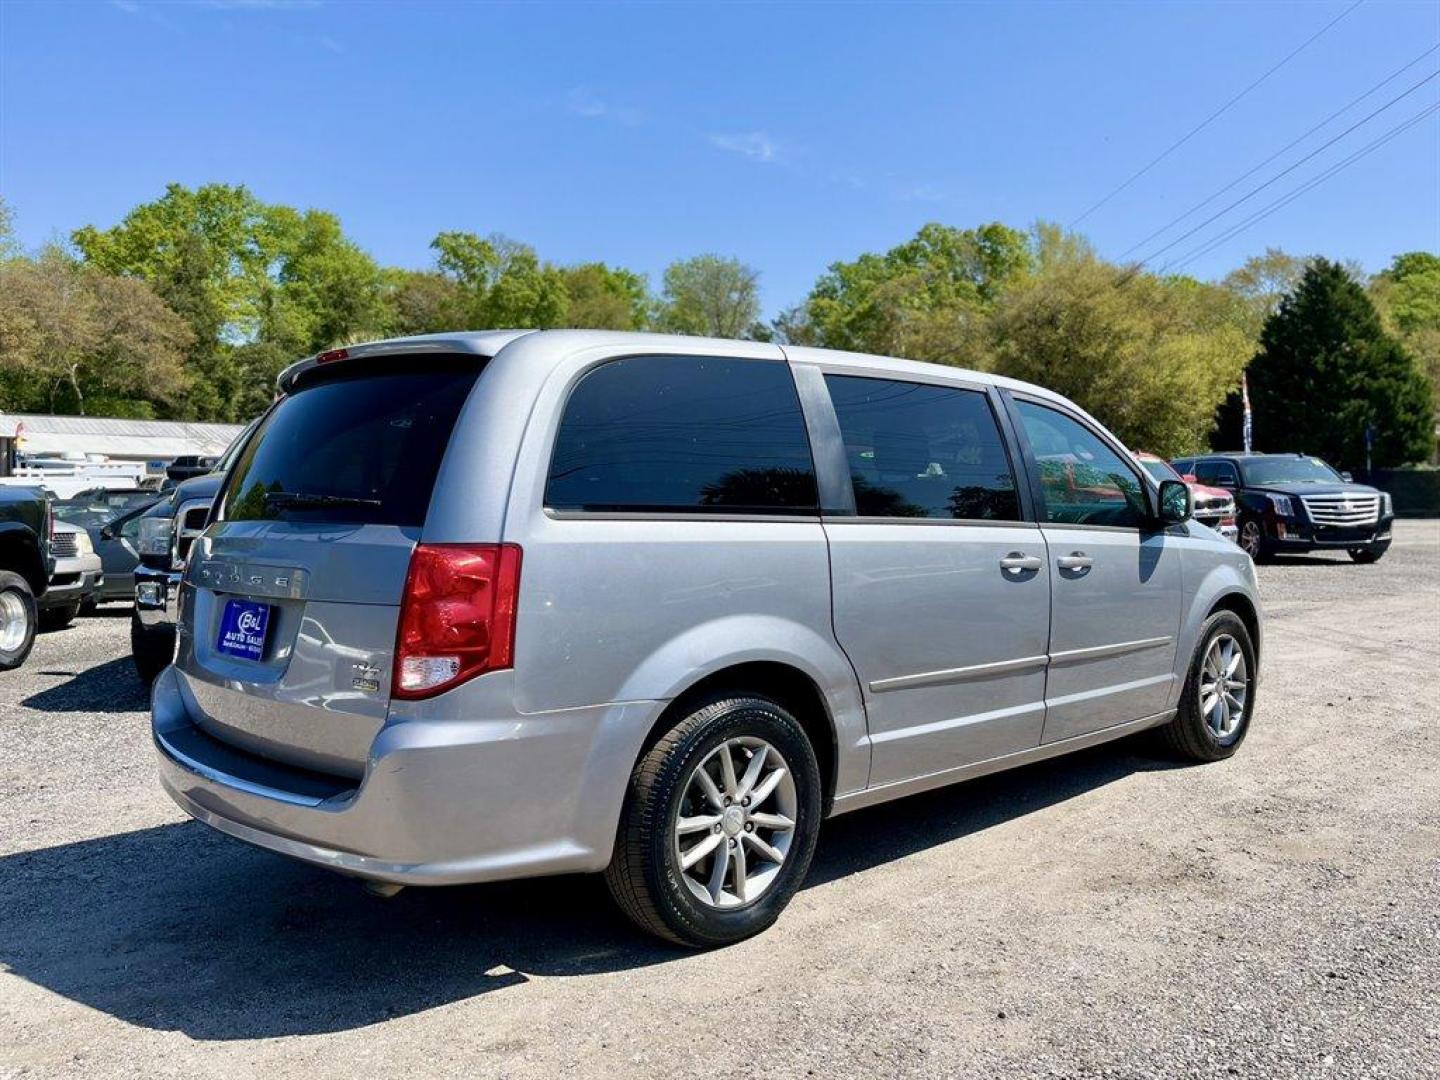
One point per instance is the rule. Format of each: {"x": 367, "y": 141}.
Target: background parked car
{"x": 1296, "y": 503}
{"x": 1214, "y": 506}
{"x": 112, "y": 521}
{"x": 25, "y": 561}
{"x": 164, "y": 532}
{"x": 75, "y": 579}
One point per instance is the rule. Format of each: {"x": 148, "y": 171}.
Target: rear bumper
{"x": 442, "y": 801}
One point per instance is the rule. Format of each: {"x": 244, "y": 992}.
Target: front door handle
{"x": 1076, "y": 560}
{"x": 1018, "y": 562}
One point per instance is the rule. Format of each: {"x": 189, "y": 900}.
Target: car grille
{"x": 63, "y": 545}
{"x": 1342, "y": 509}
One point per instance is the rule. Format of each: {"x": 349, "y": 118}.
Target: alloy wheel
{"x": 1224, "y": 686}
{"x": 736, "y": 823}
{"x": 14, "y": 622}
{"x": 1250, "y": 539}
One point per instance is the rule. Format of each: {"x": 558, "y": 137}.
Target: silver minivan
{"x": 490, "y": 605}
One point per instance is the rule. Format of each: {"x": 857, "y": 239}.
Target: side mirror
{"x": 107, "y": 533}
{"x": 1347, "y": 477}
{"x": 1176, "y": 504}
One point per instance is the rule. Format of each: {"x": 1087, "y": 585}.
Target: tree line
{"x": 191, "y": 304}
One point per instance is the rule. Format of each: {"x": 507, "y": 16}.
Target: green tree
{"x": 709, "y": 295}
{"x": 925, "y": 299}
{"x": 241, "y": 272}
{"x": 75, "y": 339}
{"x": 503, "y": 282}
{"x": 1150, "y": 357}
{"x": 1262, "y": 281}
{"x": 603, "y": 297}
{"x": 1407, "y": 295}
{"x": 1327, "y": 370}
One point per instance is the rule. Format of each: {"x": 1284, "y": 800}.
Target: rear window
{"x": 360, "y": 444}
{"x": 684, "y": 434}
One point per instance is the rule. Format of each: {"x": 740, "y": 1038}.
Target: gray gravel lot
{"x": 1109, "y": 914}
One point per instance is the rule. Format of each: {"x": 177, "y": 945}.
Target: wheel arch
{"x": 20, "y": 554}
{"x": 1244, "y": 608}
{"x": 784, "y": 683}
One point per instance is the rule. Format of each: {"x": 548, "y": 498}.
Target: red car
{"x": 1213, "y": 506}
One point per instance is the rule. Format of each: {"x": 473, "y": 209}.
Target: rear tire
{"x": 150, "y": 649}
{"x": 1218, "y": 701}
{"x": 58, "y": 618}
{"x": 734, "y": 888}
{"x": 18, "y": 620}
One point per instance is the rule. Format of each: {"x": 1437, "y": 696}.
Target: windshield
{"x": 1289, "y": 470}
{"x": 102, "y": 507}
{"x": 359, "y": 444}
{"x": 1160, "y": 470}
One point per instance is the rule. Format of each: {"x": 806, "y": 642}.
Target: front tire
{"x": 150, "y": 649}
{"x": 1219, "y": 696}
{"x": 1252, "y": 540}
{"x": 719, "y": 824}
{"x": 18, "y": 620}
{"x": 1366, "y": 556}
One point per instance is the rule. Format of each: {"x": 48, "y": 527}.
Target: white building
{"x": 33, "y": 435}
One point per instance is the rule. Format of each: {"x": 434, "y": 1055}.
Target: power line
{"x": 1287, "y": 170}
{"x": 1295, "y": 193}
{"x": 1288, "y": 146}
{"x": 1217, "y": 113}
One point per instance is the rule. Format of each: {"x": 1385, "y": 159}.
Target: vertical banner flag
{"x": 1249, "y": 420}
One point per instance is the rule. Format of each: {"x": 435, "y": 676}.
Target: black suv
{"x": 25, "y": 566}
{"x": 1290, "y": 503}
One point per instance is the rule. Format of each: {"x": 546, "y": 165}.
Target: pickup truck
{"x": 25, "y": 568}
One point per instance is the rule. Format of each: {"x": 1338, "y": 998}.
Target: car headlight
{"x": 1386, "y": 506}
{"x": 1283, "y": 505}
{"x": 155, "y": 535}
{"x": 82, "y": 543}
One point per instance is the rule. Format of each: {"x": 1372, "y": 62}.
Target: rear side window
{"x": 918, "y": 451}
{"x": 684, "y": 434}
{"x": 357, "y": 445}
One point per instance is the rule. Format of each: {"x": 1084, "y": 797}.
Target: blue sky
{"x": 790, "y": 136}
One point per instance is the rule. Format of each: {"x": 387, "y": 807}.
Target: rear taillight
{"x": 457, "y": 618}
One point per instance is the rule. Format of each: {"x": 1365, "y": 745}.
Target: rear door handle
{"x": 1076, "y": 560}
{"x": 1017, "y": 562}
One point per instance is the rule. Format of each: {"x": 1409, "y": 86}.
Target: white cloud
{"x": 583, "y": 102}
{"x": 755, "y": 145}
{"x": 922, "y": 191}
{"x": 129, "y": 7}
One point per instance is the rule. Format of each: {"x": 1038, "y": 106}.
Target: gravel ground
{"x": 1108, "y": 914}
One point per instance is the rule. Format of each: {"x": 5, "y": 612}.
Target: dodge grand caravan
{"x": 490, "y": 605}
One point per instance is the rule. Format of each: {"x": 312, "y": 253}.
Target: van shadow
{"x": 111, "y": 687}
{"x": 178, "y": 928}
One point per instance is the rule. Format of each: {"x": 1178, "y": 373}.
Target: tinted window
{"x": 1290, "y": 470}
{"x": 923, "y": 451}
{"x": 684, "y": 433}
{"x": 1082, "y": 480}
{"x": 1160, "y": 470}
{"x": 1216, "y": 473}
{"x": 359, "y": 444}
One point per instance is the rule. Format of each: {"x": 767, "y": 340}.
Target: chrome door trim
{"x": 900, "y": 788}
{"x": 1101, "y": 652}
{"x": 960, "y": 674}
